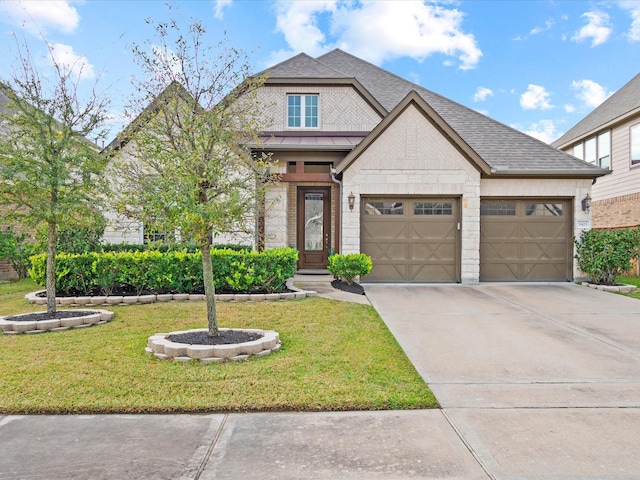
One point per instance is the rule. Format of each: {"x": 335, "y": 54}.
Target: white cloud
{"x": 377, "y": 30}
{"x": 64, "y": 56}
{"x": 544, "y": 130}
{"x": 482, "y": 93}
{"x": 547, "y": 26}
{"x": 569, "y": 108}
{"x": 597, "y": 28}
{"x": 218, "y": 10}
{"x": 634, "y": 11}
{"x": 39, "y": 16}
{"x": 590, "y": 92}
{"x": 536, "y": 97}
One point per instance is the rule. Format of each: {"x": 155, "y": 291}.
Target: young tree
{"x": 185, "y": 165}
{"x": 48, "y": 168}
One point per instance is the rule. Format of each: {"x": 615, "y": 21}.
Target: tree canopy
{"x": 184, "y": 165}
{"x": 48, "y": 168}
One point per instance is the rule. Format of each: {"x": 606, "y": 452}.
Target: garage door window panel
{"x": 384, "y": 208}
{"x": 544, "y": 209}
{"x": 433, "y": 208}
{"x": 498, "y": 209}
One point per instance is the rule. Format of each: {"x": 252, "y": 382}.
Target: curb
{"x": 612, "y": 288}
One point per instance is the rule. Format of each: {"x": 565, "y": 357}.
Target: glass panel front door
{"x": 313, "y": 219}
{"x": 314, "y": 227}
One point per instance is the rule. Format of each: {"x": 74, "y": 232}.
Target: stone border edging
{"x": 96, "y": 317}
{"x": 164, "y": 349}
{"x": 294, "y": 294}
{"x": 612, "y": 288}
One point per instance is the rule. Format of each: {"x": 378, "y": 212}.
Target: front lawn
{"x": 334, "y": 356}
{"x": 631, "y": 281}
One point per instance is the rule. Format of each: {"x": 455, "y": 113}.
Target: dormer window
{"x": 302, "y": 111}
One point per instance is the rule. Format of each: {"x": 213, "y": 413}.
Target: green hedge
{"x": 170, "y": 272}
{"x": 605, "y": 254}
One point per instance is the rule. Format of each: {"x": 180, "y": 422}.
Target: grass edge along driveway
{"x": 334, "y": 356}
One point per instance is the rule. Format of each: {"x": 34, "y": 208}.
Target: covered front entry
{"x": 411, "y": 239}
{"x": 313, "y": 226}
{"x": 526, "y": 240}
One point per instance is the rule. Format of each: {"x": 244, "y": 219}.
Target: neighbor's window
{"x": 634, "y": 140}
{"x": 302, "y": 111}
{"x": 596, "y": 150}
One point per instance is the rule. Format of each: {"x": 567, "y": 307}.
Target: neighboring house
{"x": 6, "y": 271}
{"x": 432, "y": 190}
{"x": 610, "y": 138}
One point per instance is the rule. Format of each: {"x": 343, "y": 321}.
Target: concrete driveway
{"x": 538, "y": 380}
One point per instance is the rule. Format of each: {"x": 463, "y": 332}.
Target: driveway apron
{"x": 539, "y": 380}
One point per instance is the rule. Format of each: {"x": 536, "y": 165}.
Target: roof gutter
{"x": 553, "y": 173}
{"x": 334, "y": 179}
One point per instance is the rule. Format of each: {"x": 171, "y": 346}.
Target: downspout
{"x": 332, "y": 171}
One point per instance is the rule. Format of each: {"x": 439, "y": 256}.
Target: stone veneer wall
{"x": 413, "y": 158}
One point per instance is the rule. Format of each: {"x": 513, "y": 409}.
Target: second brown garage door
{"x": 525, "y": 240}
{"x": 411, "y": 239}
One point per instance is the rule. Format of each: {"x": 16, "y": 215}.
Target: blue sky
{"x": 536, "y": 65}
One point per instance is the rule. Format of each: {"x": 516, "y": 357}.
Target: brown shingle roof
{"x": 505, "y": 149}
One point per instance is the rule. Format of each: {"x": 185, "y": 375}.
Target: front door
{"x": 314, "y": 226}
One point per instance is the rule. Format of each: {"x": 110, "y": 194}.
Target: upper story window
{"x": 634, "y": 141}
{"x": 596, "y": 150}
{"x": 302, "y": 111}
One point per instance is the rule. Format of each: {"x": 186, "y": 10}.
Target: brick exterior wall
{"x": 6, "y": 271}
{"x": 618, "y": 212}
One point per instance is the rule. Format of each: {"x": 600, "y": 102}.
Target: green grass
{"x": 334, "y": 356}
{"x": 630, "y": 281}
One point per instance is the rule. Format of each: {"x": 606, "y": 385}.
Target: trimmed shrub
{"x": 170, "y": 272}
{"x": 348, "y": 267}
{"x": 605, "y": 254}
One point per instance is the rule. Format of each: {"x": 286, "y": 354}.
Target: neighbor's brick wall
{"x": 618, "y": 212}
{"x": 6, "y": 272}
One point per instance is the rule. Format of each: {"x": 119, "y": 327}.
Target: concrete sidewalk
{"x": 282, "y": 446}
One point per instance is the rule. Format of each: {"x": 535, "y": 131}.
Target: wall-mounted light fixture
{"x": 586, "y": 203}
{"x": 352, "y": 200}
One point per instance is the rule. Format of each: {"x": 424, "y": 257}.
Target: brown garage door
{"x": 525, "y": 240}
{"x": 411, "y": 239}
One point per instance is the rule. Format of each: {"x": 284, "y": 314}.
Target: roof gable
{"x": 413, "y": 98}
{"x": 618, "y": 106}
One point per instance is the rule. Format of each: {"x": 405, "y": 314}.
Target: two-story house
{"x": 609, "y": 137}
{"x": 432, "y": 190}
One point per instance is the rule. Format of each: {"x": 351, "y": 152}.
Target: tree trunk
{"x": 51, "y": 268}
{"x": 209, "y": 288}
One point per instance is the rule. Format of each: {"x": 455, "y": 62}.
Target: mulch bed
{"x": 225, "y": 337}
{"x": 39, "y": 316}
{"x": 345, "y": 287}
{"x": 126, "y": 290}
